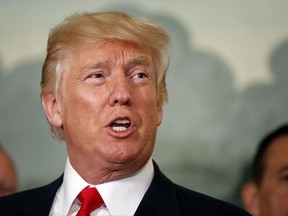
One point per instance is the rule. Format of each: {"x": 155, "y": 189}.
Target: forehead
{"x": 277, "y": 153}
{"x": 111, "y": 51}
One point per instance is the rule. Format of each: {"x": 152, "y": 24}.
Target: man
{"x": 8, "y": 179}
{"x": 103, "y": 88}
{"x": 267, "y": 191}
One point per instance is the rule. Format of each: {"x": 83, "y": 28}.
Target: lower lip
{"x": 120, "y": 134}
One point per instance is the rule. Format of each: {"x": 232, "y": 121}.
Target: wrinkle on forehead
{"x": 113, "y": 53}
{"x": 137, "y": 59}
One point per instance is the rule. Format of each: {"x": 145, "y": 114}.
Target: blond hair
{"x": 96, "y": 27}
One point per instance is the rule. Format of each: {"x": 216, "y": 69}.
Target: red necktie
{"x": 90, "y": 200}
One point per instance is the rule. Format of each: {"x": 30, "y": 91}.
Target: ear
{"x": 250, "y": 198}
{"x": 159, "y": 113}
{"x": 51, "y": 108}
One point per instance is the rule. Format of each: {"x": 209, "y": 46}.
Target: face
{"x": 273, "y": 193}
{"x": 7, "y": 175}
{"x": 108, "y": 106}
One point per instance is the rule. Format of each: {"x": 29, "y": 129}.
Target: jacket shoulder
{"x": 38, "y": 200}
{"x": 18, "y": 198}
{"x": 205, "y": 205}
{"x": 164, "y": 197}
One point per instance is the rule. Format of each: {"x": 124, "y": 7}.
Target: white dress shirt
{"x": 121, "y": 197}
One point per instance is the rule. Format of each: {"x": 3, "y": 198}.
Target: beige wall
{"x": 226, "y": 82}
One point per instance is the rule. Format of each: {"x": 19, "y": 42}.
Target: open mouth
{"x": 120, "y": 125}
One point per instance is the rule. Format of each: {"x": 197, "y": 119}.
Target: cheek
{"x": 274, "y": 198}
{"x": 80, "y": 110}
{"x": 81, "y": 98}
{"x": 150, "y": 111}
{"x": 281, "y": 195}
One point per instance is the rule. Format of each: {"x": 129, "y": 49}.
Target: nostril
{"x": 122, "y": 102}
{"x": 121, "y": 99}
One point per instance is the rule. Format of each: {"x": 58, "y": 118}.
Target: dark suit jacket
{"x": 162, "y": 198}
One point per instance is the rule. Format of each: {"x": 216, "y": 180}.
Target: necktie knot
{"x": 90, "y": 200}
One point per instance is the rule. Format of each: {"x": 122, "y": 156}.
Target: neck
{"x": 97, "y": 172}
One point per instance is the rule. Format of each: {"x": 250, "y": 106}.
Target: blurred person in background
{"x": 266, "y": 193}
{"x": 8, "y": 177}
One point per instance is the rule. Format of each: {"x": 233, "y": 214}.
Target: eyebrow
{"x": 284, "y": 169}
{"x": 134, "y": 63}
{"x": 144, "y": 59}
{"x": 99, "y": 64}
{"x": 135, "y": 60}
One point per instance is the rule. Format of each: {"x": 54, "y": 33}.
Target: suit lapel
{"x": 41, "y": 202}
{"x": 160, "y": 198}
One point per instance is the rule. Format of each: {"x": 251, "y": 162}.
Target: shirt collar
{"x": 72, "y": 184}
{"x": 122, "y": 197}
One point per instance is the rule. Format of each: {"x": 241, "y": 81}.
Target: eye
{"x": 97, "y": 76}
{"x": 140, "y": 75}
{"x": 285, "y": 178}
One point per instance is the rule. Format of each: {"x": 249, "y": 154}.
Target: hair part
{"x": 86, "y": 28}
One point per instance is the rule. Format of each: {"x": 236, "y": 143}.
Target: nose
{"x": 120, "y": 90}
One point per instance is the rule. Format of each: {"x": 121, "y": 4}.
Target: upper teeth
{"x": 122, "y": 121}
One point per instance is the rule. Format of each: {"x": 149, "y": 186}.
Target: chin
{"x": 130, "y": 158}
{"x": 123, "y": 158}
